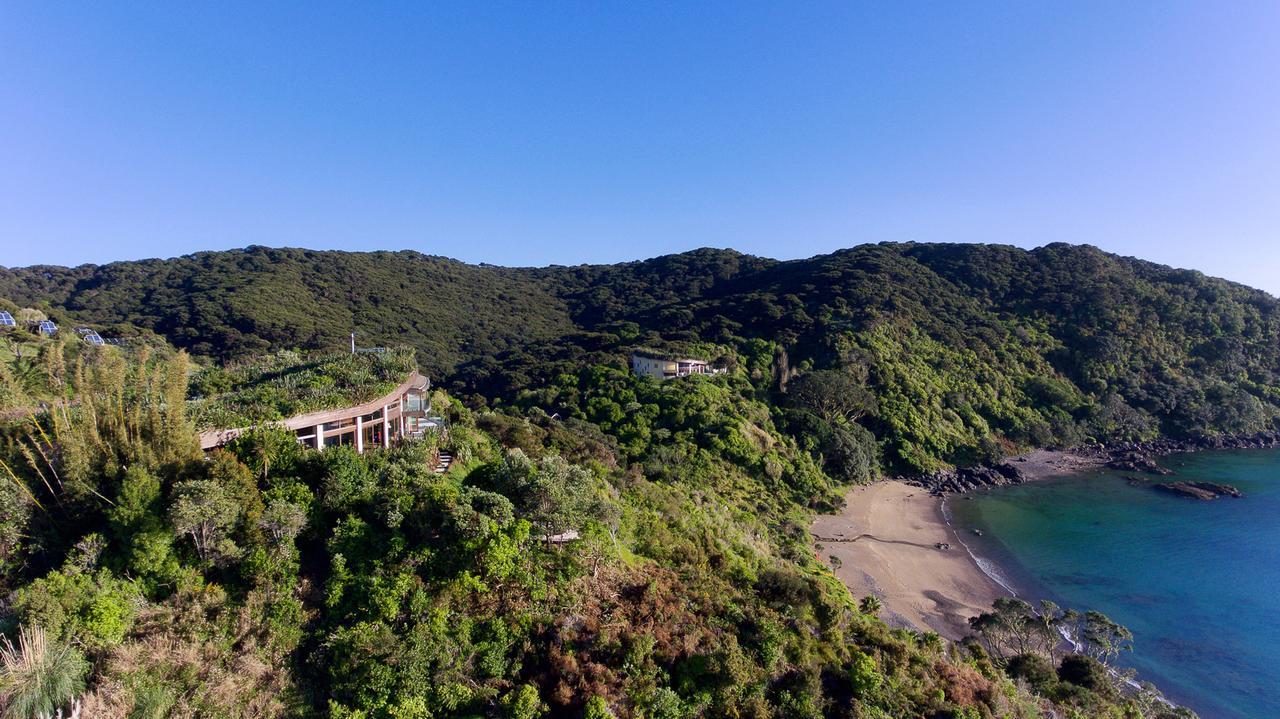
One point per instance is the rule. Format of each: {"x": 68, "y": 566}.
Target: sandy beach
{"x": 886, "y": 543}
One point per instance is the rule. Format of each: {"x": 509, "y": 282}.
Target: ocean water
{"x": 1197, "y": 582}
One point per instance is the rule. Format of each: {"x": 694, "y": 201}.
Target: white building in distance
{"x": 660, "y": 366}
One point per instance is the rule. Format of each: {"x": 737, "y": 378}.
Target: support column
{"x": 320, "y": 436}
{"x": 386, "y": 426}
{"x": 359, "y": 434}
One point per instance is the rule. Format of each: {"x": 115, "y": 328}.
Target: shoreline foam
{"x": 986, "y": 566}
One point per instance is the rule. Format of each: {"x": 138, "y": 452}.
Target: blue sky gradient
{"x": 532, "y": 133}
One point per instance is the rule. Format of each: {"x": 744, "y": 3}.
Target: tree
{"x": 558, "y": 496}
{"x": 282, "y": 521}
{"x": 139, "y": 527}
{"x": 1033, "y": 669}
{"x": 478, "y": 513}
{"x": 206, "y": 512}
{"x": 1115, "y": 419}
{"x": 38, "y": 676}
{"x": 346, "y": 479}
{"x": 94, "y": 610}
{"x": 1054, "y": 622}
{"x": 137, "y": 502}
{"x": 131, "y": 410}
{"x": 1085, "y": 671}
{"x": 553, "y": 495}
{"x": 1104, "y": 639}
{"x": 849, "y": 454}
{"x": 266, "y": 446}
{"x": 834, "y": 395}
{"x": 1011, "y": 628}
{"x": 53, "y": 365}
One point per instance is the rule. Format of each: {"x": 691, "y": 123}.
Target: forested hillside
{"x": 964, "y": 352}
{"x": 230, "y": 304}
{"x": 142, "y": 578}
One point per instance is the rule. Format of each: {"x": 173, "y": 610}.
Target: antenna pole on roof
{"x": 353, "y": 343}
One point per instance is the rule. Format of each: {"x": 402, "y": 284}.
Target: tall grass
{"x": 38, "y": 676}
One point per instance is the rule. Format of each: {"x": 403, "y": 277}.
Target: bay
{"x": 1197, "y": 582}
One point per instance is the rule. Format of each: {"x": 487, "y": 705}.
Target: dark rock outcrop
{"x": 965, "y": 479}
{"x": 1137, "y": 462}
{"x": 1204, "y": 491}
{"x": 1126, "y": 457}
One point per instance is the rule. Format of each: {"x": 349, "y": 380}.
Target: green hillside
{"x": 969, "y": 350}
{"x": 144, "y": 579}
{"x": 271, "y": 582}
{"x": 233, "y": 304}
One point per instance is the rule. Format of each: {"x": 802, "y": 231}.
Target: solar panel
{"x": 48, "y": 327}
{"x": 6, "y": 320}
{"x": 84, "y": 330}
{"x": 94, "y": 339}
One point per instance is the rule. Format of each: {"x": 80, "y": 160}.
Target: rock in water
{"x": 1199, "y": 490}
{"x": 1137, "y": 462}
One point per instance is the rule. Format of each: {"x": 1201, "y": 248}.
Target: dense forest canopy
{"x": 970, "y": 351}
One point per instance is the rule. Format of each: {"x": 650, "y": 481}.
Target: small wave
{"x": 989, "y": 568}
{"x": 986, "y": 566}
{"x": 1076, "y": 646}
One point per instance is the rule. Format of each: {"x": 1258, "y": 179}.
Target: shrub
{"x": 1085, "y": 672}
{"x": 864, "y": 675}
{"x": 784, "y": 587}
{"x": 523, "y": 702}
{"x": 1034, "y": 669}
{"x": 598, "y": 708}
{"x": 93, "y": 609}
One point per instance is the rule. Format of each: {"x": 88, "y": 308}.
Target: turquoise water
{"x": 1197, "y": 582}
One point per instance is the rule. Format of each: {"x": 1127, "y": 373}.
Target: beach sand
{"x": 885, "y": 541}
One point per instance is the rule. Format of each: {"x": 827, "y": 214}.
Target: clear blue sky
{"x": 538, "y": 132}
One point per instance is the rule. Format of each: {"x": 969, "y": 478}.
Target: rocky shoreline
{"x": 1128, "y": 457}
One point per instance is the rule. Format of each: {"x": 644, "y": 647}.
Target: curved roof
{"x": 217, "y": 437}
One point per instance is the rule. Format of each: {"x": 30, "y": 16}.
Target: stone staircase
{"x": 443, "y": 461}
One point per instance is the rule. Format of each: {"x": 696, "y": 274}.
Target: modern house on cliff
{"x": 377, "y": 423}
{"x": 660, "y": 366}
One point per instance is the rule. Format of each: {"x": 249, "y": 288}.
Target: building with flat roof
{"x": 404, "y": 412}
{"x": 647, "y": 363}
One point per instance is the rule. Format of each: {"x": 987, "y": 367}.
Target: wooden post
{"x": 320, "y": 436}
{"x": 386, "y": 426}
{"x": 359, "y": 434}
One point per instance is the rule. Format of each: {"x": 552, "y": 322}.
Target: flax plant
{"x": 39, "y": 676}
